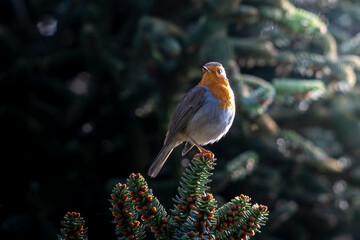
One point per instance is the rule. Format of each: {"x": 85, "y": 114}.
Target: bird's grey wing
{"x": 185, "y": 110}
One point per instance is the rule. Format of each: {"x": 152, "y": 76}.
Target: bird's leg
{"x": 206, "y": 153}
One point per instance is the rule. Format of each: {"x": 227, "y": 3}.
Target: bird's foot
{"x": 205, "y": 153}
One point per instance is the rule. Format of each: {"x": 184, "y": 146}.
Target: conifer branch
{"x": 351, "y": 60}
{"x": 303, "y": 150}
{"x": 254, "y": 94}
{"x": 125, "y": 217}
{"x": 241, "y": 166}
{"x": 297, "y": 89}
{"x": 152, "y": 213}
{"x": 351, "y": 46}
{"x": 195, "y": 215}
{"x": 293, "y": 19}
{"x": 193, "y": 185}
{"x": 73, "y": 227}
{"x": 239, "y": 220}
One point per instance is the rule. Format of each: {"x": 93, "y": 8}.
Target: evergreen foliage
{"x": 87, "y": 85}
{"x": 73, "y": 227}
{"x": 195, "y": 214}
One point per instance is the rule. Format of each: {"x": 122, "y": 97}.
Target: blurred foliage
{"x": 87, "y": 89}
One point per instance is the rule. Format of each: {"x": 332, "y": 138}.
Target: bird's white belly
{"x": 210, "y": 123}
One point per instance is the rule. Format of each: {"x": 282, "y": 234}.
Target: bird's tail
{"x": 160, "y": 160}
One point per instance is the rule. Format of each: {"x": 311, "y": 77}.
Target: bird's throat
{"x": 220, "y": 88}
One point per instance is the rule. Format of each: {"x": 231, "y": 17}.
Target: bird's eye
{"x": 219, "y": 71}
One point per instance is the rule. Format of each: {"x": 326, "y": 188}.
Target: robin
{"x": 203, "y": 116}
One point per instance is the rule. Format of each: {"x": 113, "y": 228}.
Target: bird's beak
{"x": 205, "y": 68}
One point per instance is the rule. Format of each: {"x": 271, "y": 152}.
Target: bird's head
{"x": 215, "y": 69}
{"x": 214, "y": 78}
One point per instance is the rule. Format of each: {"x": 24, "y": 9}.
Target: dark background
{"x": 87, "y": 89}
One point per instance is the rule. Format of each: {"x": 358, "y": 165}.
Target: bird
{"x": 203, "y": 116}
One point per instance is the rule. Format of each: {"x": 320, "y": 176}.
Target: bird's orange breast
{"x": 219, "y": 88}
